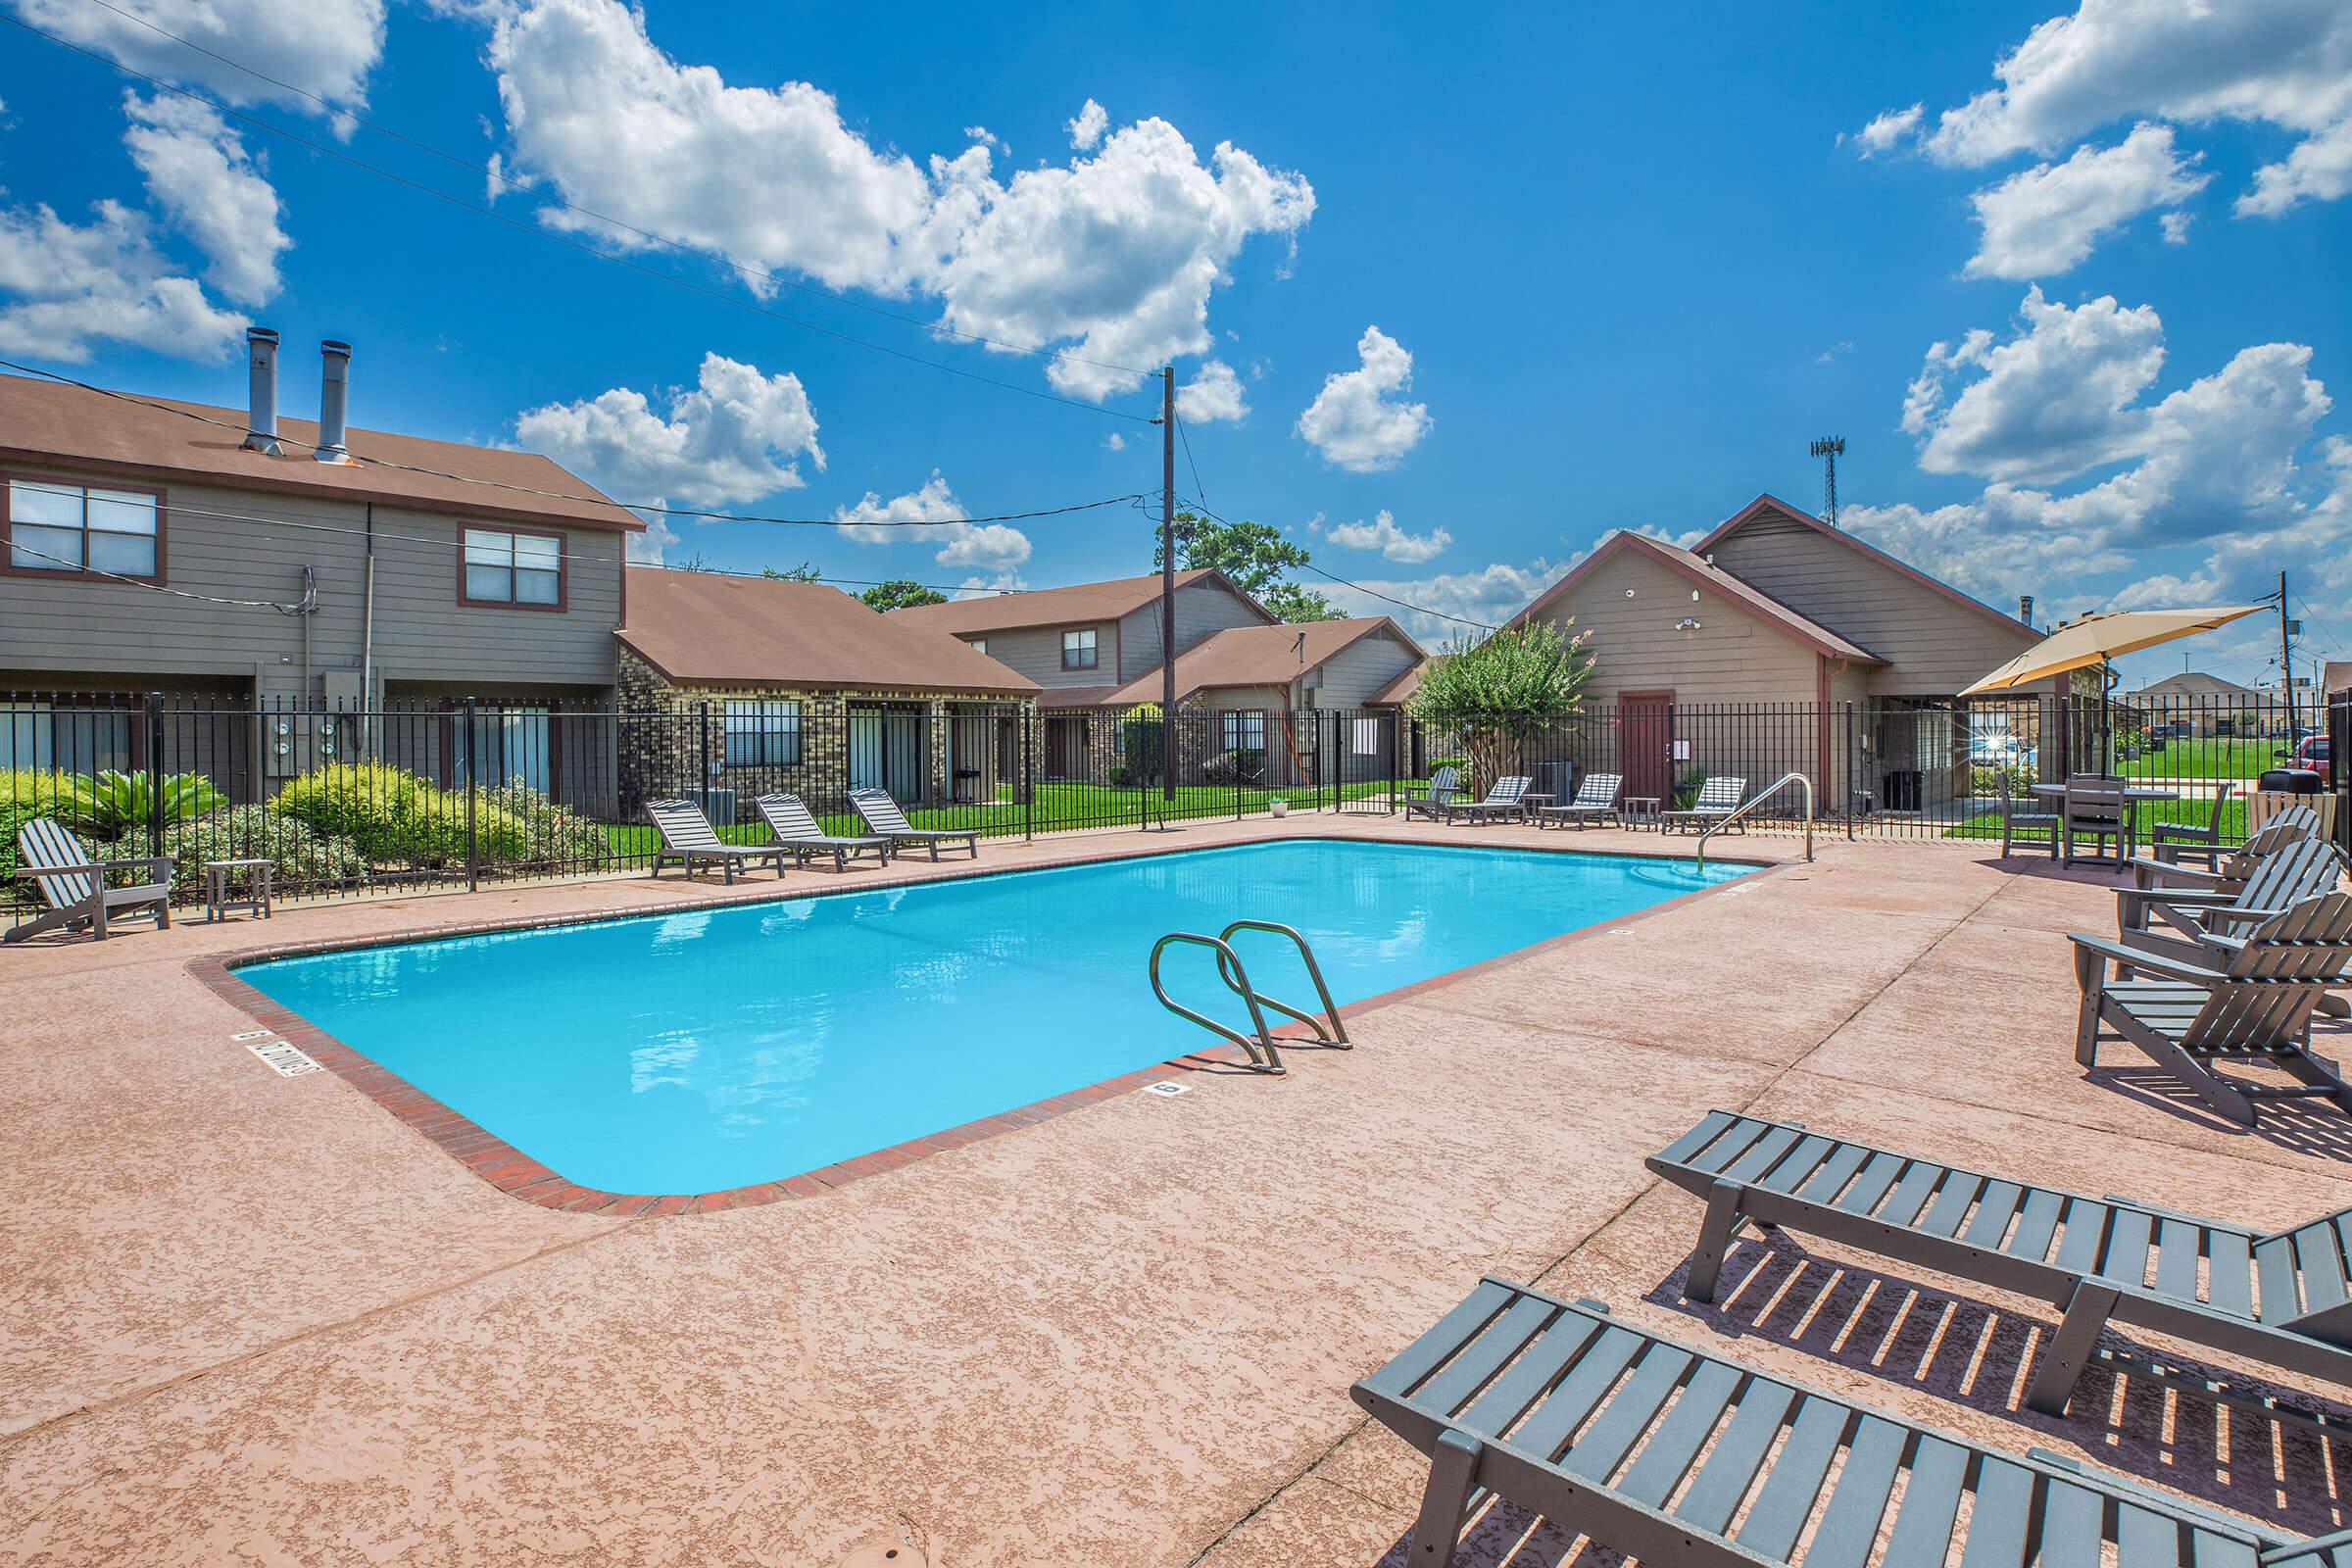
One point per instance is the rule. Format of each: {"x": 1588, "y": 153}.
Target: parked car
{"x": 2312, "y": 752}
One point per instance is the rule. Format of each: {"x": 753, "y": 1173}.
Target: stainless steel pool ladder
{"x": 1259, "y": 1047}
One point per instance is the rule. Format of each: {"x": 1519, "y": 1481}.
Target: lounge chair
{"x": 883, "y": 816}
{"x": 2256, "y": 1008}
{"x": 2295, "y": 823}
{"x": 1502, "y": 803}
{"x": 1436, "y": 799}
{"x": 1718, "y": 798}
{"x": 2177, "y": 842}
{"x": 792, "y": 825}
{"x": 688, "y": 837}
{"x": 72, "y": 884}
{"x": 2092, "y": 1257}
{"x": 1596, "y": 802}
{"x": 2022, "y": 816}
{"x": 2300, "y": 870}
{"x": 1604, "y": 1430}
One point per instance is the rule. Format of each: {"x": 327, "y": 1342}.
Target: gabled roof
{"x": 162, "y": 439}
{"x": 1079, "y": 604}
{"x": 2192, "y": 683}
{"x": 1398, "y": 692}
{"x": 1260, "y": 656}
{"x": 1821, "y": 639}
{"x": 2336, "y": 676}
{"x": 700, "y": 628}
{"x": 1769, "y": 503}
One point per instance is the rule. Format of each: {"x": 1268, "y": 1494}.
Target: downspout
{"x": 367, "y": 643}
{"x": 1829, "y": 671}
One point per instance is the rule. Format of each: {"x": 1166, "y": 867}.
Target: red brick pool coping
{"x": 519, "y": 1175}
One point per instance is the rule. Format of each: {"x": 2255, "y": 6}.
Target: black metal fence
{"x": 448, "y": 793}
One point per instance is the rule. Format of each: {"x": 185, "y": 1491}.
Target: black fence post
{"x": 1028, "y": 779}
{"x": 155, "y": 772}
{"x": 473, "y": 769}
{"x": 702, "y": 784}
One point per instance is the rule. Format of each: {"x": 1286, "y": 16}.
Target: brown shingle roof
{"x": 700, "y": 628}
{"x": 1047, "y": 607}
{"x": 1257, "y": 655}
{"x": 1747, "y": 594}
{"x": 47, "y": 423}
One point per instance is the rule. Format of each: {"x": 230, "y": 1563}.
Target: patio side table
{"x": 219, "y": 899}
{"x": 1644, "y": 811}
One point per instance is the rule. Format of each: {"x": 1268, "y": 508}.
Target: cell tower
{"x": 1829, "y": 449}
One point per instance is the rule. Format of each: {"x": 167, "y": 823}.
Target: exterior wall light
{"x": 1687, "y": 623}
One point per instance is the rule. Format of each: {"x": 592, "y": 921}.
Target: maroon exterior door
{"x": 1645, "y": 743}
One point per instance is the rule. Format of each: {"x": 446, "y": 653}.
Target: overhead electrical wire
{"x": 720, "y": 295}
{"x": 1372, "y": 593}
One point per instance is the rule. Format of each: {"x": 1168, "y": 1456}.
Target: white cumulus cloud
{"x": 1887, "y": 131}
{"x": 994, "y": 549}
{"x": 2046, "y": 219}
{"x": 1213, "y": 393}
{"x": 1489, "y": 596}
{"x": 321, "y": 47}
{"x": 734, "y": 436}
{"x": 74, "y": 286}
{"x": 1383, "y": 534}
{"x": 1355, "y": 421}
{"x": 1087, "y": 125}
{"x": 198, "y": 172}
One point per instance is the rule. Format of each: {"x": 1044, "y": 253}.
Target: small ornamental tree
{"x": 1495, "y": 695}
{"x": 901, "y": 594}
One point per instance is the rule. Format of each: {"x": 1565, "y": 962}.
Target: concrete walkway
{"x": 246, "y": 1319}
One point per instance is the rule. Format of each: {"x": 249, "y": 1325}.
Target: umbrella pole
{"x": 2107, "y": 709}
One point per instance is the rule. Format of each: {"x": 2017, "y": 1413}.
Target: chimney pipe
{"x": 2025, "y": 608}
{"x": 334, "y": 397}
{"x": 261, "y": 424}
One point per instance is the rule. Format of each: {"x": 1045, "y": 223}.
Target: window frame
{"x": 768, "y": 723}
{"x": 81, "y": 573}
{"x": 1093, "y": 646}
{"x": 561, "y": 540}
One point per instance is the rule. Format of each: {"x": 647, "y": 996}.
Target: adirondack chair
{"x": 1502, "y": 801}
{"x": 1438, "y": 798}
{"x": 1718, "y": 798}
{"x": 1596, "y": 802}
{"x": 2256, "y": 1008}
{"x": 883, "y": 816}
{"x": 2090, "y": 1255}
{"x": 688, "y": 839}
{"x": 794, "y": 826}
{"x": 72, "y": 884}
{"x": 1671, "y": 1453}
{"x": 2289, "y": 826}
{"x": 2181, "y": 841}
{"x": 2020, "y": 816}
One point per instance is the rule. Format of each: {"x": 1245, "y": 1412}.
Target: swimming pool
{"x": 714, "y": 1048}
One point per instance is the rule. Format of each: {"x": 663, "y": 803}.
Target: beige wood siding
{"x": 1735, "y": 656}
{"x": 1036, "y": 652}
{"x": 1203, "y": 609}
{"x": 1352, "y": 674}
{"x": 1933, "y": 646}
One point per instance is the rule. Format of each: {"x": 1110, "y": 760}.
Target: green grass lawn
{"x": 2206, "y": 756}
{"x": 2188, "y": 813}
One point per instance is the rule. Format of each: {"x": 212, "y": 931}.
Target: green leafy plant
{"x": 901, "y": 592}
{"x": 1140, "y": 738}
{"x": 1493, "y": 695}
{"x": 1687, "y": 787}
{"x": 1243, "y": 765}
{"x": 1257, "y": 557}
{"x": 113, "y": 804}
{"x": 302, "y": 860}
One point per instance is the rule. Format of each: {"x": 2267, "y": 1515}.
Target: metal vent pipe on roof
{"x": 334, "y": 398}
{"x": 260, "y": 435}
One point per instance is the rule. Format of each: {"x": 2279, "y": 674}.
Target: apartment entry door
{"x": 1645, "y": 743}
{"x": 885, "y": 751}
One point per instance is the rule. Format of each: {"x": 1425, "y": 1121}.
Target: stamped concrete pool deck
{"x": 247, "y": 1319}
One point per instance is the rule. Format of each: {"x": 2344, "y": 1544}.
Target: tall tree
{"x": 1257, "y": 557}
{"x": 901, "y": 592}
{"x": 1503, "y": 691}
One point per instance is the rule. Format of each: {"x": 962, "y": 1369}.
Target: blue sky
{"x": 1456, "y": 300}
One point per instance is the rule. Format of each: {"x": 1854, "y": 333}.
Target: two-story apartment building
{"x": 237, "y": 561}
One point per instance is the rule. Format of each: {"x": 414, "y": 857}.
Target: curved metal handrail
{"x": 1260, "y": 1051}
{"x": 1336, "y": 1035}
{"x": 1756, "y": 800}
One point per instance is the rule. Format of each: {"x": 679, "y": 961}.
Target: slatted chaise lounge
{"x": 2253, "y": 1010}
{"x": 1652, "y": 1447}
{"x": 72, "y": 884}
{"x": 2275, "y": 1297}
{"x": 1718, "y": 798}
{"x": 1596, "y": 802}
{"x": 792, "y": 825}
{"x": 1438, "y": 798}
{"x": 1502, "y": 803}
{"x": 883, "y": 816}
{"x": 688, "y": 837}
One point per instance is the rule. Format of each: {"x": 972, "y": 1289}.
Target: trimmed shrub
{"x": 303, "y": 860}
{"x": 396, "y": 818}
{"x": 550, "y": 832}
{"x": 25, "y": 792}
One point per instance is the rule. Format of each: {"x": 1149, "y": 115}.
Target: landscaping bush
{"x": 549, "y": 832}
{"x": 1243, "y": 765}
{"x": 302, "y": 858}
{"x": 1985, "y": 779}
{"x": 1687, "y": 788}
{"x": 1141, "y": 736}
{"x": 395, "y": 818}
{"x": 25, "y": 794}
{"x": 115, "y": 804}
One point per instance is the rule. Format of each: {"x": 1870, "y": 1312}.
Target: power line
{"x": 1373, "y": 593}
{"x": 720, "y": 258}
{"x": 581, "y": 246}
{"x": 1185, "y": 437}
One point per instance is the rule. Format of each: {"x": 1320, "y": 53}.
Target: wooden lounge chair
{"x": 2275, "y": 1297}
{"x": 1668, "y": 1452}
{"x": 688, "y": 837}
{"x": 72, "y": 884}
{"x": 1718, "y": 798}
{"x": 2255, "y": 1008}
{"x": 2177, "y": 842}
{"x": 792, "y": 825}
{"x": 1596, "y": 802}
{"x": 883, "y": 816}
{"x": 2020, "y": 816}
{"x": 1436, "y": 798}
{"x": 1502, "y": 801}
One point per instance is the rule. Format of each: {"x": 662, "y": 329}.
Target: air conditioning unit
{"x": 717, "y": 804}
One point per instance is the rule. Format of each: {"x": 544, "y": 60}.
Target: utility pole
{"x": 1167, "y": 583}
{"x": 2286, "y": 662}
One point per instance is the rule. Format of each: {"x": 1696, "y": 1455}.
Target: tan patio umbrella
{"x": 2099, "y": 639}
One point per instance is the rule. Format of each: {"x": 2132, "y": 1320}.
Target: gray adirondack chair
{"x": 1502, "y": 801}
{"x": 2022, "y": 817}
{"x": 883, "y": 816}
{"x": 1665, "y": 1452}
{"x": 72, "y": 883}
{"x": 2177, "y": 842}
{"x": 1718, "y": 798}
{"x": 2256, "y": 1008}
{"x": 2277, "y": 1297}
{"x": 689, "y": 840}
{"x": 1438, "y": 798}
{"x": 1596, "y": 802}
{"x": 2289, "y": 875}
{"x": 790, "y": 821}
{"x": 2294, "y": 823}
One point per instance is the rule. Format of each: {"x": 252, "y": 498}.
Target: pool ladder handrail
{"x": 1261, "y": 1050}
{"x": 1756, "y": 800}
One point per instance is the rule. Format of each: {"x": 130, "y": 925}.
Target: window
{"x": 525, "y": 569}
{"x": 1245, "y": 732}
{"x": 762, "y": 734}
{"x": 76, "y": 530}
{"x": 1078, "y": 649}
{"x": 503, "y": 746}
{"x": 978, "y": 644}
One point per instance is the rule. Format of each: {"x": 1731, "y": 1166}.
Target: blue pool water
{"x": 696, "y": 1052}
